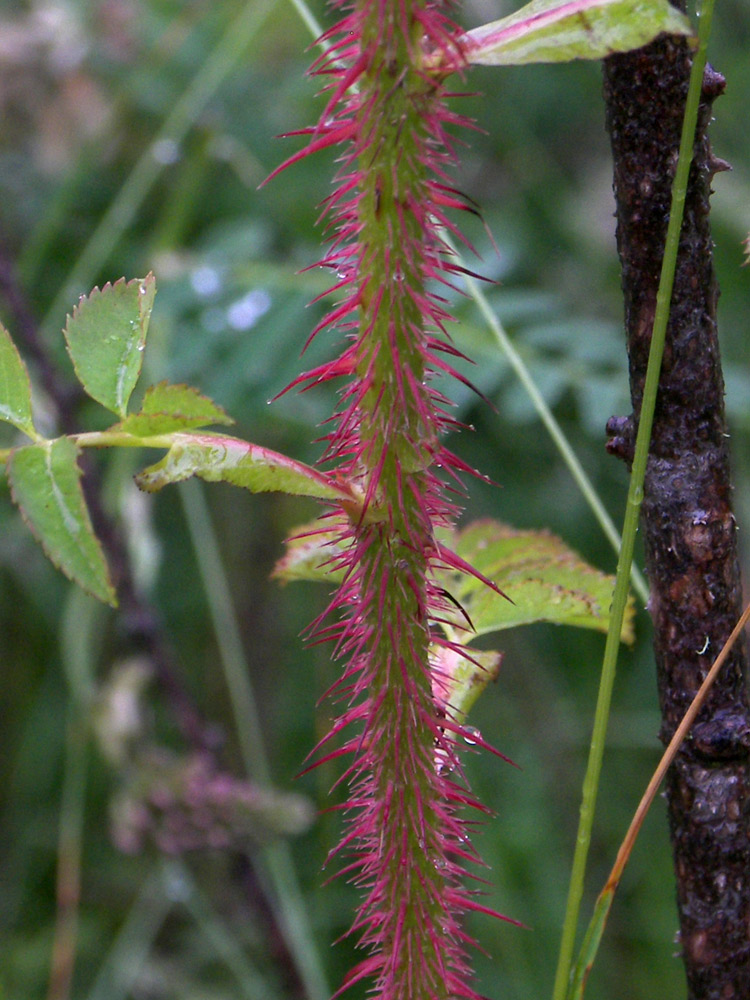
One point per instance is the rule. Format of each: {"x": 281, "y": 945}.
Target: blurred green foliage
{"x": 88, "y": 97}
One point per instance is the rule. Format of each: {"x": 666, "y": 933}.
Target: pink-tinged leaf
{"x": 313, "y": 553}
{"x": 555, "y": 31}
{"x": 45, "y": 483}
{"x": 219, "y": 459}
{"x": 457, "y": 681}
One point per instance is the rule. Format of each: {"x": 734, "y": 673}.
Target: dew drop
{"x": 471, "y": 735}
{"x": 444, "y": 762}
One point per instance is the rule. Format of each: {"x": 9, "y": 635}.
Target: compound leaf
{"x": 545, "y": 580}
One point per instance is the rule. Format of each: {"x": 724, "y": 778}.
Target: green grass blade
{"x": 277, "y": 857}
{"x": 179, "y": 883}
{"x": 122, "y": 965}
{"x": 549, "y": 421}
{"x": 125, "y": 205}
{"x": 590, "y": 945}
{"x": 81, "y": 628}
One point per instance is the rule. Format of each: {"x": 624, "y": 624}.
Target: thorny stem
{"x": 408, "y": 843}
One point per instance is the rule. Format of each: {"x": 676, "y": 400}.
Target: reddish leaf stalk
{"x": 406, "y": 842}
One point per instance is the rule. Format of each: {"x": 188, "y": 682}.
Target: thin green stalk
{"x": 69, "y": 852}
{"x": 277, "y": 857}
{"x": 308, "y": 19}
{"x": 122, "y": 210}
{"x": 180, "y": 884}
{"x": 219, "y": 598}
{"x": 554, "y": 430}
{"x": 635, "y": 497}
{"x": 603, "y": 904}
{"x": 170, "y": 885}
{"x": 122, "y": 966}
{"x": 79, "y": 631}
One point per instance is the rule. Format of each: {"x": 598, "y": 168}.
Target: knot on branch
{"x": 725, "y": 736}
{"x": 621, "y": 441}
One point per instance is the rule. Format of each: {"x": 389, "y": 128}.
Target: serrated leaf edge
{"x": 143, "y": 316}
{"x": 68, "y": 517}
{"x": 5, "y": 413}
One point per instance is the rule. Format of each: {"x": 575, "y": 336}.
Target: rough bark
{"x": 689, "y": 528}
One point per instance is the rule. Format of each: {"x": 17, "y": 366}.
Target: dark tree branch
{"x": 689, "y": 528}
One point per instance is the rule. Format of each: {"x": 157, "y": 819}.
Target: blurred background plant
{"x": 135, "y": 133}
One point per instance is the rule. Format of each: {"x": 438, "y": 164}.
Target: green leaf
{"x": 106, "y": 336}
{"x": 561, "y": 30}
{"x": 15, "y": 387}
{"x": 45, "y": 483}
{"x": 216, "y": 458}
{"x": 167, "y": 408}
{"x": 544, "y": 579}
{"x": 591, "y": 942}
